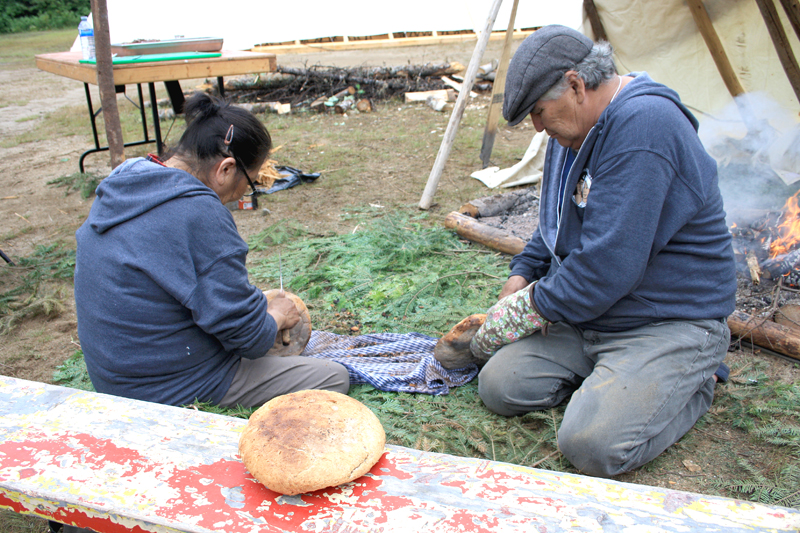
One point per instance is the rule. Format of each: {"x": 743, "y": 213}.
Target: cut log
{"x": 457, "y": 86}
{"x": 364, "y": 105}
{"x": 318, "y": 105}
{"x": 350, "y": 91}
{"x": 492, "y": 65}
{"x": 484, "y": 234}
{"x": 765, "y": 333}
{"x": 344, "y": 105}
{"x": 449, "y": 95}
{"x": 279, "y": 108}
{"x": 491, "y": 206}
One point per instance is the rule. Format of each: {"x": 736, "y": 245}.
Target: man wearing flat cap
{"x": 619, "y": 301}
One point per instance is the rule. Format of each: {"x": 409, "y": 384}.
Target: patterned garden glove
{"x": 507, "y": 321}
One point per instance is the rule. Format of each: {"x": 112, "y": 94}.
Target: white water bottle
{"x": 86, "y": 33}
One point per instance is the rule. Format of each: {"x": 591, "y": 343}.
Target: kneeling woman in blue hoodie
{"x": 165, "y": 310}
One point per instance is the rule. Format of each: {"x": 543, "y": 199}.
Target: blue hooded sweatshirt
{"x": 651, "y": 242}
{"x": 165, "y": 309}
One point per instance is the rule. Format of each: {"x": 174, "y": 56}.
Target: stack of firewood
{"x": 334, "y": 89}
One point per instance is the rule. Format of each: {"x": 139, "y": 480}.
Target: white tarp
{"x": 247, "y": 23}
{"x": 526, "y": 172}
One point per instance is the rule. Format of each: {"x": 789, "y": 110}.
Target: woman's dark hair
{"x": 208, "y": 122}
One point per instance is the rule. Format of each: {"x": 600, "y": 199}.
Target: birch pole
{"x": 458, "y": 109}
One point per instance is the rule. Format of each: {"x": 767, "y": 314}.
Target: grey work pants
{"x": 634, "y": 393}
{"x": 257, "y": 381}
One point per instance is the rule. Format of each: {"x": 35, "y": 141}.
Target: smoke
{"x": 756, "y": 143}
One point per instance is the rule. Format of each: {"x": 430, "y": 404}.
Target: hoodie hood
{"x": 137, "y": 186}
{"x": 643, "y": 85}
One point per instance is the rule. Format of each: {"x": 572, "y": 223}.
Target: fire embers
{"x": 769, "y": 244}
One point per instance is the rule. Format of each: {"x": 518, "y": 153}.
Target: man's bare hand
{"x": 284, "y": 312}
{"x": 514, "y": 284}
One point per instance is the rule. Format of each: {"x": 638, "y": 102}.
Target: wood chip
{"x": 691, "y": 466}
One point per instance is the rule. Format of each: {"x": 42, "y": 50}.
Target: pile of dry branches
{"x": 302, "y": 86}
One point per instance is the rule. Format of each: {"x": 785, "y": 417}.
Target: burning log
{"x": 765, "y": 333}
{"x": 489, "y": 236}
{"x": 786, "y": 266}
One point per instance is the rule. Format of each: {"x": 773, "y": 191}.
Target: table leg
{"x": 92, "y": 115}
{"x": 221, "y": 86}
{"x": 142, "y": 113}
{"x": 156, "y": 122}
{"x": 93, "y": 119}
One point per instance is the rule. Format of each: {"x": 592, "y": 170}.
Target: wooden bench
{"x": 115, "y": 465}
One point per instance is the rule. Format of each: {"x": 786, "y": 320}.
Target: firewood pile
{"x": 328, "y": 89}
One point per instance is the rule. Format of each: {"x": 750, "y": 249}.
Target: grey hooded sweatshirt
{"x": 651, "y": 242}
{"x": 165, "y": 309}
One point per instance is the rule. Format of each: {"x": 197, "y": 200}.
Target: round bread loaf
{"x": 309, "y": 440}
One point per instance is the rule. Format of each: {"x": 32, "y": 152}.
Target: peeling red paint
{"x": 93, "y": 477}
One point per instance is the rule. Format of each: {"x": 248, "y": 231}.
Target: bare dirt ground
{"x": 34, "y": 213}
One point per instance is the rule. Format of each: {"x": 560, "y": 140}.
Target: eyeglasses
{"x": 254, "y": 194}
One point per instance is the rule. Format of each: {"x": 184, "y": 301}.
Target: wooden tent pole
{"x": 792, "y": 9}
{"x": 458, "y": 109}
{"x": 498, "y": 87}
{"x": 105, "y": 82}
{"x": 594, "y": 19}
{"x": 782, "y": 46}
{"x": 706, "y": 27}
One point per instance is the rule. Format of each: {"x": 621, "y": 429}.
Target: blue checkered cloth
{"x": 397, "y": 362}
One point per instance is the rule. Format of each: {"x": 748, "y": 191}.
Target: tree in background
{"x": 34, "y": 15}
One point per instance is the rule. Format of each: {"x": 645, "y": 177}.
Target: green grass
{"x": 35, "y": 286}
{"x": 17, "y": 50}
{"x": 85, "y": 183}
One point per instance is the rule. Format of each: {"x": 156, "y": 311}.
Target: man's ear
{"x": 576, "y": 85}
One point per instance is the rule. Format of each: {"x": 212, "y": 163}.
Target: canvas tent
{"x": 663, "y": 39}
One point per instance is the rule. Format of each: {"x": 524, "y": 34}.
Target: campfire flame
{"x": 788, "y": 231}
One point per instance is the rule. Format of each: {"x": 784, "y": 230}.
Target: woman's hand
{"x": 284, "y": 312}
{"x": 514, "y": 284}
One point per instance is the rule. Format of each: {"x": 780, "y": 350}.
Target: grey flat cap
{"x": 538, "y": 64}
